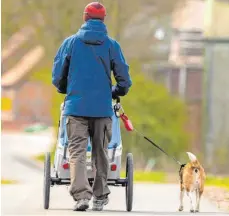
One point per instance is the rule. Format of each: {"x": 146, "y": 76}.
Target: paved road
{"x": 16, "y": 147}
{"x": 25, "y": 198}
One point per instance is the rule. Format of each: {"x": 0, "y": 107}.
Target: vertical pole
{"x": 209, "y": 110}
{"x": 182, "y": 81}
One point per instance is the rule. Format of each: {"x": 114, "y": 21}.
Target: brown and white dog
{"x": 192, "y": 177}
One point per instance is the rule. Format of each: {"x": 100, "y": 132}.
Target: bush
{"x": 157, "y": 114}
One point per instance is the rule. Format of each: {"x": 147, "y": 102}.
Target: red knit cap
{"x": 94, "y": 10}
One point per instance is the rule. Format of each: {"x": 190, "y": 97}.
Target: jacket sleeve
{"x": 61, "y": 66}
{"x": 121, "y": 71}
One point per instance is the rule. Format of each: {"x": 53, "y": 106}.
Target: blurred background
{"x": 178, "y": 54}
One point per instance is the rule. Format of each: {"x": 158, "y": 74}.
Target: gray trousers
{"x": 78, "y": 131}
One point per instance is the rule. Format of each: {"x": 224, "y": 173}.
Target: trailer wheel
{"x": 129, "y": 183}
{"x": 47, "y": 180}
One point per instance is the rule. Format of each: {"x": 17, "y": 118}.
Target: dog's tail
{"x": 192, "y": 157}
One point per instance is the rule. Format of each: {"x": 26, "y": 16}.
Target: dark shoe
{"x": 99, "y": 202}
{"x": 81, "y": 205}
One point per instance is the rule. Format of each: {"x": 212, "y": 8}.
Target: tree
{"x": 54, "y": 20}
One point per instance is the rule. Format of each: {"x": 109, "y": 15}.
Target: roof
{"x": 23, "y": 67}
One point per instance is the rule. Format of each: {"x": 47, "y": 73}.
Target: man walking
{"x": 82, "y": 70}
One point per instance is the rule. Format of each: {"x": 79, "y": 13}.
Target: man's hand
{"x": 114, "y": 93}
{"x": 114, "y": 96}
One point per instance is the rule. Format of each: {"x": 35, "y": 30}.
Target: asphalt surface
{"x": 26, "y": 198}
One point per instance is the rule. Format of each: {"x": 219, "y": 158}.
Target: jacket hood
{"x": 93, "y": 32}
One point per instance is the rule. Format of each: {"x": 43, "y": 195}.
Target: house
{"x": 23, "y": 101}
{"x": 185, "y": 78}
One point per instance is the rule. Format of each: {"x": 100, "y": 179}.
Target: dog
{"x": 192, "y": 178}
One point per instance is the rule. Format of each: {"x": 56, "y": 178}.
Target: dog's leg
{"x": 181, "y": 200}
{"x": 198, "y": 196}
{"x": 190, "y": 195}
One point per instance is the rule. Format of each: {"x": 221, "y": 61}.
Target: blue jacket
{"x": 82, "y": 70}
